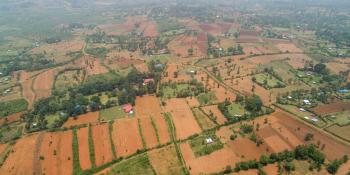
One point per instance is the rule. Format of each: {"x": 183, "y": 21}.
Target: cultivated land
{"x": 185, "y": 87}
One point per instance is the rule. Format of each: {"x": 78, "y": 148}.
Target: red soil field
{"x": 184, "y": 121}
{"x": 192, "y": 101}
{"x": 295, "y": 60}
{"x": 180, "y": 45}
{"x": 214, "y": 162}
{"x": 288, "y": 47}
{"x": 26, "y": 83}
{"x": 84, "y": 153}
{"x": 124, "y": 59}
{"x": 43, "y": 83}
{"x": 22, "y": 159}
{"x": 220, "y": 118}
{"x": 162, "y": 127}
{"x": 148, "y": 132}
{"x": 3, "y": 147}
{"x": 11, "y": 118}
{"x": 171, "y": 69}
{"x": 333, "y": 147}
{"x": 126, "y": 137}
{"x": 147, "y": 105}
{"x": 150, "y": 29}
{"x": 331, "y": 108}
{"x": 102, "y": 145}
{"x": 336, "y": 67}
{"x": 246, "y": 148}
{"x": 276, "y": 144}
{"x": 56, "y": 148}
{"x": 91, "y": 117}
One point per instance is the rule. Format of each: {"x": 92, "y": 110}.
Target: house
{"x": 306, "y": 117}
{"x": 307, "y": 102}
{"x": 128, "y": 109}
{"x": 147, "y": 81}
{"x": 314, "y": 119}
{"x": 343, "y": 91}
{"x": 302, "y": 110}
{"x": 290, "y": 97}
{"x": 209, "y": 140}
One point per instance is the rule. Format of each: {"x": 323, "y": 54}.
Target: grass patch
{"x": 135, "y": 165}
{"x": 91, "y": 148}
{"x": 112, "y": 113}
{"x": 200, "y": 146}
{"x": 75, "y": 146}
{"x": 236, "y": 109}
{"x": 341, "y": 118}
{"x": 141, "y": 134}
{"x": 51, "y": 119}
{"x": 203, "y": 121}
{"x": 268, "y": 81}
{"x": 11, "y": 107}
{"x": 5, "y": 154}
{"x": 156, "y": 130}
{"x": 110, "y": 127}
{"x": 207, "y": 98}
{"x": 10, "y": 132}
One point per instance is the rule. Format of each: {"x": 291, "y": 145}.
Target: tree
{"x": 321, "y": 69}
{"x": 253, "y": 103}
{"x": 308, "y": 137}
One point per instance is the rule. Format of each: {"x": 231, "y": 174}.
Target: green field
{"x": 203, "y": 121}
{"x": 51, "y": 120}
{"x": 10, "y": 132}
{"x": 136, "y": 165}
{"x": 200, "y": 147}
{"x": 236, "y": 109}
{"x": 207, "y": 98}
{"x": 341, "y": 118}
{"x": 172, "y": 91}
{"x": 341, "y": 131}
{"x": 11, "y": 107}
{"x": 296, "y": 111}
{"x": 112, "y": 113}
{"x": 268, "y": 81}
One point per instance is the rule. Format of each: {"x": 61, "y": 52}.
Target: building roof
{"x": 127, "y": 108}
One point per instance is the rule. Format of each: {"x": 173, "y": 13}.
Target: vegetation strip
{"x": 155, "y": 129}
{"x": 75, "y": 145}
{"x": 91, "y": 148}
{"x": 141, "y": 134}
{"x": 110, "y": 127}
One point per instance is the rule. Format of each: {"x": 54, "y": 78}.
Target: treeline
{"x": 285, "y": 159}
{"x": 75, "y": 101}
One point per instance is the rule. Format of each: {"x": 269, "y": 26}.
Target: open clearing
{"x": 183, "y": 118}
{"x": 84, "y": 153}
{"x": 331, "y": 108}
{"x": 165, "y": 161}
{"x": 56, "y": 150}
{"x": 341, "y": 131}
{"x": 91, "y": 117}
{"x": 126, "y": 137}
{"x": 102, "y": 145}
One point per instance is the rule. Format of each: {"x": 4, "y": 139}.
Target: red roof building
{"x": 127, "y": 108}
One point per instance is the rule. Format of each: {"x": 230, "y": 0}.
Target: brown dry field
{"x": 150, "y": 29}
{"x": 331, "y": 108}
{"x": 220, "y": 118}
{"x": 181, "y": 44}
{"x": 288, "y": 47}
{"x": 147, "y": 105}
{"x": 226, "y": 43}
{"x": 165, "y": 161}
{"x": 214, "y": 162}
{"x": 126, "y": 137}
{"x": 295, "y": 60}
{"x": 23, "y": 159}
{"x": 183, "y": 118}
{"x": 343, "y": 60}
{"x": 124, "y": 59}
{"x": 162, "y": 127}
{"x": 341, "y": 131}
{"x": 56, "y": 148}
{"x": 192, "y": 102}
{"x": 43, "y": 83}
{"x": 123, "y": 28}
{"x": 102, "y": 145}
{"x": 91, "y": 117}
{"x": 246, "y": 149}
{"x": 148, "y": 132}
{"x": 171, "y": 69}
{"x": 11, "y": 118}
{"x": 26, "y": 81}
{"x": 335, "y": 67}
{"x": 3, "y": 147}
{"x": 59, "y": 50}
{"x": 84, "y": 153}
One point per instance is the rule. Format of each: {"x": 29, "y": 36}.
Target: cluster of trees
{"x": 194, "y": 88}
{"x": 221, "y": 52}
{"x": 253, "y": 104}
{"x": 271, "y": 74}
{"x": 11, "y": 107}
{"x": 75, "y": 101}
{"x": 284, "y": 160}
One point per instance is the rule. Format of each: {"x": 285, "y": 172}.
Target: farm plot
{"x": 136, "y": 165}
{"x": 173, "y": 73}
{"x": 147, "y": 105}
{"x": 126, "y": 137}
{"x": 102, "y": 145}
{"x": 90, "y": 65}
{"x": 84, "y": 153}
{"x": 149, "y": 132}
{"x": 331, "y": 108}
{"x": 214, "y": 162}
{"x": 68, "y": 79}
{"x": 295, "y": 60}
{"x": 165, "y": 161}
{"x": 288, "y": 47}
{"x": 202, "y": 119}
{"x": 183, "y": 118}
{"x": 214, "y": 113}
{"x": 91, "y": 117}
{"x": 24, "y": 158}
{"x": 180, "y": 45}
{"x": 117, "y": 60}
{"x": 44, "y": 82}
{"x": 246, "y": 149}
{"x": 26, "y": 81}
{"x": 56, "y": 153}
{"x": 162, "y": 129}
{"x": 341, "y": 131}
{"x": 335, "y": 67}
{"x": 112, "y": 114}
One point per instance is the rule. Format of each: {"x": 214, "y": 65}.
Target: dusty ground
{"x": 84, "y": 153}
{"x": 102, "y": 145}
{"x": 91, "y": 117}
{"x": 220, "y": 118}
{"x": 165, "y": 161}
{"x": 331, "y": 108}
